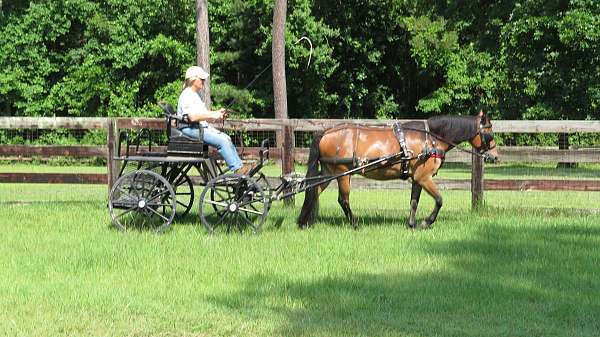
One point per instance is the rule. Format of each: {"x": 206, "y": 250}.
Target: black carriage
{"x": 156, "y": 186}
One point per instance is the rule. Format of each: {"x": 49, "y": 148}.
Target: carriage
{"x": 156, "y": 186}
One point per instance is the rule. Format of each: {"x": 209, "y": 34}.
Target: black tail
{"x": 310, "y": 208}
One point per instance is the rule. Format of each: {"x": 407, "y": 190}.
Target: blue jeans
{"x": 219, "y": 140}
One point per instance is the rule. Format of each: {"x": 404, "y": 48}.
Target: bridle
{"x": 486, "y": 137}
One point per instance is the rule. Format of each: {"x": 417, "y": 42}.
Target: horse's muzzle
{"x": 490, "y": 159}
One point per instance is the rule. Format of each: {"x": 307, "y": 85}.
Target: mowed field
{"x": 526, "y": 264}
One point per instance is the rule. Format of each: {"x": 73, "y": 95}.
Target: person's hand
{"x": 218, "y": 114}
{"x": 224, "y": 113}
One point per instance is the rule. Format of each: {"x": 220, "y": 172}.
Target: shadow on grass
{"x": 500, "y": 282}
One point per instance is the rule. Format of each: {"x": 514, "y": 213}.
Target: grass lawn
{"x": 524, "y": 265}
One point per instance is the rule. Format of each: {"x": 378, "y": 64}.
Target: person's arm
{"x": 206, "y": 115}
{"x": 195, "y": 109}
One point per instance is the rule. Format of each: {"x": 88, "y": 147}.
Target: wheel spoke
{"x": 159, "y": 205}
{"x": 157, "y": 213}
{"x": 248, "y": 221}
{"x": 127, "y": 211}
{"x": 180, "y": 180}
{"x": 250, "y": 202}
{"x": 250, "y": 211}
{"x": 211, "y": 202}
{"x": 125, "y": 192}
{"x": 151, "y": 198}
{"x": 218, "y": 192}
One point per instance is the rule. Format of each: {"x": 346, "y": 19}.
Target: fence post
{"x": 476, "y": 181}
{"x": 287, "y": 156}
{"x": 112, "y": 143}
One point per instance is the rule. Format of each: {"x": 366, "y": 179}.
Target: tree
{"x": 278, "y": 54}
{"x": 285, "y": 137}
{"x": 551, "y": 56}
{"x": 203, "y": 44}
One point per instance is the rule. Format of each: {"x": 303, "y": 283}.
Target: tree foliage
{"x": 528, "y": 59}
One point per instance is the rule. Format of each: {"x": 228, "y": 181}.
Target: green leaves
{"x": 550, "y": 53}
{"x": 371, "y": 59}
{"x": 88, "y": 58}
{"x": 432, "y": 44}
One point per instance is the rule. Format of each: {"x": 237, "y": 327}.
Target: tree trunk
{"x": 563, "y": 144}
{"x": 278, "y": 55}
{"x": 202, "y": 44}
{"x": 285, "y": 136}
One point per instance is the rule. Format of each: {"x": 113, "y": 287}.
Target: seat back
{"x": 177, "y": 142}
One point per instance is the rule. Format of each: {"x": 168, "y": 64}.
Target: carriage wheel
{"x": 182, "y": 185}
{"x": 142, "y": 199}
{"x": 260, "y": 180}
{"x": 184, "y": 194}
{"x": 233, "y": 202}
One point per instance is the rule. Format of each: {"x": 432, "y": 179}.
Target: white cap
{"x": 197, "y": 72}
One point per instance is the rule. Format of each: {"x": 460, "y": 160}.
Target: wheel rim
{"x": 233, "y": 203}
{"x": 143, "y": 200}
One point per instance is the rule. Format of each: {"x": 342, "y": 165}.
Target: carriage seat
{"x": 178, "y": 143}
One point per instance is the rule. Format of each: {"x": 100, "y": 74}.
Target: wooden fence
{"x": 287, "y": 128}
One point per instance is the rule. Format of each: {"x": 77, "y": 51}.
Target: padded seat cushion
{"x": 177, "y": 134}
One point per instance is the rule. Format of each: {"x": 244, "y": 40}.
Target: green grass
{"x": 524, "y": 265}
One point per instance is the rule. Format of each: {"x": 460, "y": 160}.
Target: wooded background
{"x": 386, "y": 59}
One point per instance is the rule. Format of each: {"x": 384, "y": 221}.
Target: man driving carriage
{"x": 191, "y": 103}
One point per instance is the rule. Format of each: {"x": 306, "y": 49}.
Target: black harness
{"x": 428, "y": 152}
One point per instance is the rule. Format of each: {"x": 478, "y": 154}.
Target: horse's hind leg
{"x": 344, "y": 199}
{"x": 310, "y": 208}
{"x": 431, "y": 189}
{"x": 415, "y": 195}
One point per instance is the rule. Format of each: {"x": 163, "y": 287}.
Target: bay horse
{"x": 423, "y": 143}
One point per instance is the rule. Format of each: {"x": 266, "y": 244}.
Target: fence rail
{"x": 508, "y": 154}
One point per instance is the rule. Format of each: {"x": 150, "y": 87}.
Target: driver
{"x": 191, "y": 103}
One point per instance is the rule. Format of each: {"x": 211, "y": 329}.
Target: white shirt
{"x": 190, "y": 102}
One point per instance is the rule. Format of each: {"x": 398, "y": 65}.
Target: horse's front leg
{"x": 415, "y": 195}
{"x": 431, "y": 189}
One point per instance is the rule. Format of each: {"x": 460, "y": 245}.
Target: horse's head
{"x": 484, "y": 139}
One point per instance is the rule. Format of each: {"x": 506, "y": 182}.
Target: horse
{"x": 422, "y": 144}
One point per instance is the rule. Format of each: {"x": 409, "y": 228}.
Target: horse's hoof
{"x": 425, "y": 224}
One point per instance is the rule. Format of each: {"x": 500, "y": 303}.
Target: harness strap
{"x": 428, "y": 135}
{"x": 399, "y": 133}
{"x": 432, "y": 152}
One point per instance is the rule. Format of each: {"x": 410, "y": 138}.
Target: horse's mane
{"x": 453, "y": 128}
